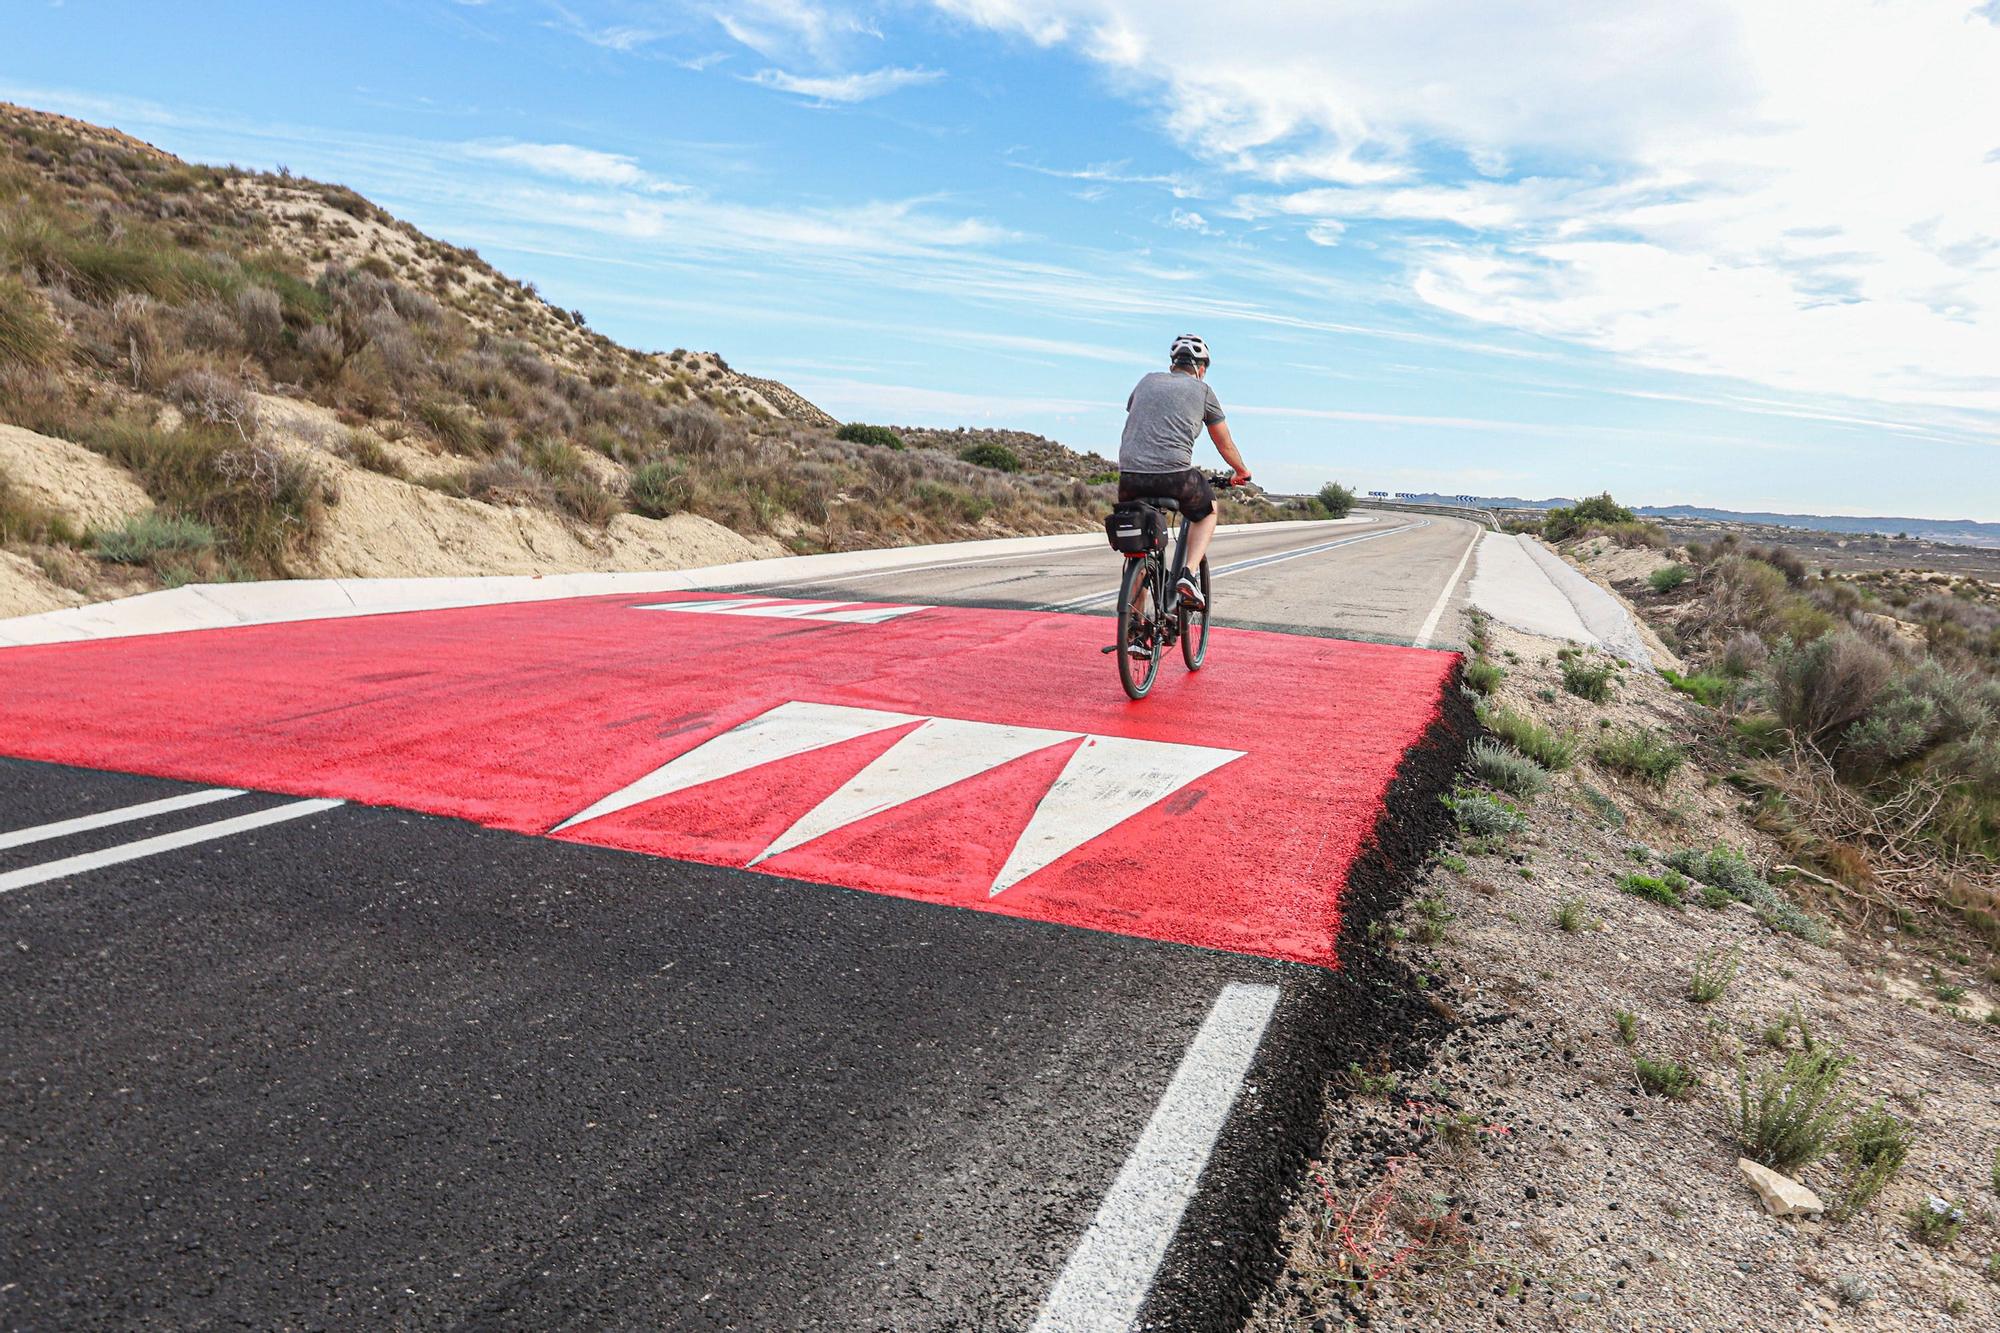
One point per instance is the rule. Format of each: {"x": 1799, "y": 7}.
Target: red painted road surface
{"x": 959, "y": 756}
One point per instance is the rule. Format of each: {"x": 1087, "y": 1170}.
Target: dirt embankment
{"x": 1567, "y": 1156}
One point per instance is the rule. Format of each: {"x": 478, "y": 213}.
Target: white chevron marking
{"x": 1107, "y": 781}
{"x": 788, "y": 610}
{"x": 787, "y": 730}
{"x": 710, "y": 606}
{"x": 941, "y": 752}
{"x": 835, "y": 613}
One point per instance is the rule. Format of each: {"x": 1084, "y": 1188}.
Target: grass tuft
{"x": 1552, "y": 749}
{"x": 1587, "y": 679}
{"x": 1643, "y": 753}
{"x": 1507, "y": 770}
{"x": 1664, "y": 1078}
{"x": 1787, "y": 1116}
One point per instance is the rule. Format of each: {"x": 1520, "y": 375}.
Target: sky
{"x": 1734, "y": 254}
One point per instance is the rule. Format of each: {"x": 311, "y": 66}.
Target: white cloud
{"x": 845, "y": 87}
{"x": 792, "y": 30}
{"x": 1116, "y": 173}
{"x": 1189, "y": 220}
{"x": 1804, "y": 196}
{"x": 588, "y": 166}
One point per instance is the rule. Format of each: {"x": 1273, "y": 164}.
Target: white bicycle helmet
{"x": 1188, "y": 348}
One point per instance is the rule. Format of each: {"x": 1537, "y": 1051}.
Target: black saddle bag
{"x": 1135, "y": 528}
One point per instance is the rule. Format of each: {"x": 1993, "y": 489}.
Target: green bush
{"x": 1935, "y": 1221}
{"x": 861, "y": 433}
{"x": 1559, "y": 524}
{"x": 146, "y": 537}
{"x": 1664, "y": 1078}
{"x": 1872, "y": 1148}
{"x": 1787, "y": 1116}
{"x": 657, "y": 488}
{"x": 1669, "y": 577}
{"x": 1484, "y": 675}
{"x": 1587, "y": 679}
{"x": 1336, "y": 499}
{"x": 1666, "y": 890}
{"x": 1507, "y": 769}
{"x": 1570, "y": 914}
{"x": 1706, "y": 688}
{"x": 1713, "y": 972}
{"x": 1645, "y": 754}
{"x": 1483, "y": 816}
{"x": 996, "y": 456}
{"x": 1729, "y": 870}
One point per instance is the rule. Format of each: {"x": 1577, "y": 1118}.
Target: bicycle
{"x": 1151, "y": 619}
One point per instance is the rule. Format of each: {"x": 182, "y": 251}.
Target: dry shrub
{"x": 261, "y": 316}
{"x": 211, "y": 326}
{"x": 323, "y": 353}
{"x": 506, "y": 480}
{"x": 135, "y": 328}
{"x": 28, "y": 339}
{"x": 697, "y": 429}
{"x": 214, "y": 399}
{"x": 1821, "y": 688}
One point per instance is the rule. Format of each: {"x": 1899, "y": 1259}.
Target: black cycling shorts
{"x": 1190, "y": 488}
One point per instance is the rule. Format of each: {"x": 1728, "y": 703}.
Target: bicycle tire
{"x": 1137, "y": 674}
{"x": 1194, "y": 626}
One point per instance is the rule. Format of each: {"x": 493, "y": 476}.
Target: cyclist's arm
{"x": 1225, "y": 444}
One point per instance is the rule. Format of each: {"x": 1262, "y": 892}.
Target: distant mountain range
{"x": 1960, "y": 531}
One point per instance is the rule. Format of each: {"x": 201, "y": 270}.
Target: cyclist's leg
{"x": 1198, "y": 512}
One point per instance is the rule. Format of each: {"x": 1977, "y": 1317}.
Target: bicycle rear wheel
{"x": 1138, "y": 645}
{"x": 1194, "y": 625}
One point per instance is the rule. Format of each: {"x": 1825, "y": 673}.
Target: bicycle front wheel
{"x": 1194, "y": 625}
{"x": 1138, "y": 643}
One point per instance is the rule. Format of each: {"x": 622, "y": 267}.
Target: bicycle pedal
{"x": 1108, "y": 649}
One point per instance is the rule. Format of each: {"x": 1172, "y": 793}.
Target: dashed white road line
{"x": 1423, "y": 639}
{"x": 21, "y": 837}
{"x": 1104, "y": 1284}
{"x": 165, "y": 842}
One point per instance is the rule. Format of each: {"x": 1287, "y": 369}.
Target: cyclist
{"x": 1164, "y": 415}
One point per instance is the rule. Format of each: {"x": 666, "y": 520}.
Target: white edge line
{"x": 21, "y": 837}
{"x": 1423, "y": 639}
{"x": 1105, "y": 1283}
{"x": 165, "y": 842}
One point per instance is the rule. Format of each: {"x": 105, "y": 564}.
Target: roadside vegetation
{"x": 1661, "y": 965}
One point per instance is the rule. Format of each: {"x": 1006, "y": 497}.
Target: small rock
{"x": 1782, "y": 1196}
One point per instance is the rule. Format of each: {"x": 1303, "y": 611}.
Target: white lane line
{"x": 124, "y": 814}
{"x": 1423, "y": 639}
{"x": 1105, "y": 1282}
{"x": 1255, "y": 562}
{"x": 165, "y": 842}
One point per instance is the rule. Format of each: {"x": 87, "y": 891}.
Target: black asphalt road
{"x": 375, "y": 1069}
{"x": 1381, "y": 577}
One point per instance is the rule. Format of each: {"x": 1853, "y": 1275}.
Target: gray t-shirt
{"x": 1163, "y": 418}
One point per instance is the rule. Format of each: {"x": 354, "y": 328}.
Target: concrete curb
{"x": 222, "y": 605}
{"x": 1522, "y": 583}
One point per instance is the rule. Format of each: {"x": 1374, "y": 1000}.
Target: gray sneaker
{"x": 1190, "y": 593}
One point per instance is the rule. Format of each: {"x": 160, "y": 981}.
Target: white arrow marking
{"x": 941, "y": 752}
{"x": 839, "y": 613}
{"x": 787, "y": 730}
{"x": 1107, "y": 781}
